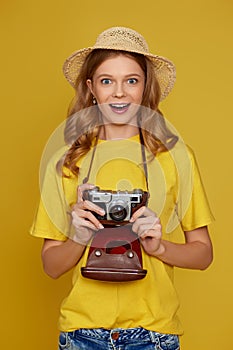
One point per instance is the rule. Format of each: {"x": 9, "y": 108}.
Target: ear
{"x": 89, "y": 84}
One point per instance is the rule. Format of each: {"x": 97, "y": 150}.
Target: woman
{"x": 122, "y": 143}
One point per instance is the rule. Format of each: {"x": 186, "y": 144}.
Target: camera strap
{"x": 144, "y": 157}
{"x": 85, "y": 180}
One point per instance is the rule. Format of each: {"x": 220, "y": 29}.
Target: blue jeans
{"x": 117, "y": 339}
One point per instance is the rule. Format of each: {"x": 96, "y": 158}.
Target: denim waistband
{"x": 118, "y": 334}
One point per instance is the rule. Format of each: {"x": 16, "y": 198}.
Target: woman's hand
{"x": 83, "y": 220}
{"x": 147, "y": 226}
{"x": 195, "y": 253}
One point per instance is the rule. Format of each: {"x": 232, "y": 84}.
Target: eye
{"x": 106, "y": 81}
{"x": 132, "y": 81}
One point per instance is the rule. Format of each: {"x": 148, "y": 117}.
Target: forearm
{"x": 190, "y": 255}
{"x": 61, "y": 257}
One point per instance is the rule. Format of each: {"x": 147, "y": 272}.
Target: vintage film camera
{"x": 115, "y": 252}
{"x": 118, "y": 205}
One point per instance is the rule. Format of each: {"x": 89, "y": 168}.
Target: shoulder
{"x": 51, "y": 164}
{"x": 181, "y": 155}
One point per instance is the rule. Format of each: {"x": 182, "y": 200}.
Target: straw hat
{"x": 126, "y": 39}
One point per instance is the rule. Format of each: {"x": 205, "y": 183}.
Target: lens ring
{"x": 117, "y": 212}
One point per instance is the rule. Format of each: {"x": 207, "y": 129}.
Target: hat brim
{"x": 164, "y": 69}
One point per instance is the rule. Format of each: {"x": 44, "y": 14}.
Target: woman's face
{"x": 118, "y": 85}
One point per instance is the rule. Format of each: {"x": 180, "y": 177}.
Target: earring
{"x": 94, "y": 100}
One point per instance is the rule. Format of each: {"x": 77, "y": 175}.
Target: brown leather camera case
{"x": 114, "y": 256}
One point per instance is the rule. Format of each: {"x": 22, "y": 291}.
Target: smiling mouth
{"x": 119, "y": 107}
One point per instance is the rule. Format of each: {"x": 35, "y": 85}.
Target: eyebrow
{"x": 110, "y": 75}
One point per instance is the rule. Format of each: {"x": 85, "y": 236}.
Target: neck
{"x": 114, "y": 132}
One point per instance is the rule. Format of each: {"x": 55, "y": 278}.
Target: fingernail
{"x": 101, "y": 226}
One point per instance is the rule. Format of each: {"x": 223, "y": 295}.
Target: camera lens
{"x": 117, "y": 212}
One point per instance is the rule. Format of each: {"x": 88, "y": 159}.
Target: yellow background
{"x": 36, "y": 37}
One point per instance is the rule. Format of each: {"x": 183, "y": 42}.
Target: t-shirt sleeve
{"x": 197, "y": 212}
{"x": 52, "y": 219}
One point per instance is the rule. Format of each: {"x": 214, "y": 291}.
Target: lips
{"x": 119, "y": 107}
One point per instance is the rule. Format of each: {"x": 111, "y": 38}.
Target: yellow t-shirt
{"x": 178, "y": 198}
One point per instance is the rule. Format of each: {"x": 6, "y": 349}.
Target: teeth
{"x": 119, "y": 105}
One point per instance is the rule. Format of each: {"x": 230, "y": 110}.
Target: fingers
{"x": 82, "y": 188}
{"x": 154, "y": 232}
{"x": 143, "y": 211}
{"x": 85, "y": 221}
{"x": 148, "y": 227}
{"x": 82, "y": 211}
{"x": 146, "y": 224}
{"x": 87, "y": 205}
{"x": 83, "y": 216}
{"x": 81, "y": 235}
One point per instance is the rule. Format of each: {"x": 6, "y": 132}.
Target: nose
{"x": 119, "y": 90}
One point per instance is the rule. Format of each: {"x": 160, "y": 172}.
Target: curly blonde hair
{"x": 82, "y": 128}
